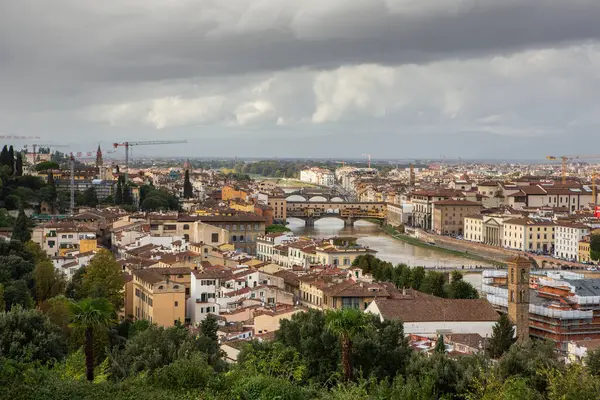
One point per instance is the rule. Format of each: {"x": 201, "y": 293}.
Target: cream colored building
{"x": 269, "y": 321}
{"x": 473, "y": 228}
{"x": 339, "y": 256}
{"x": 528, "y": 234}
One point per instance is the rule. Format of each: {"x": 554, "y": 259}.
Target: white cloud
{"x": 531, "y": 93}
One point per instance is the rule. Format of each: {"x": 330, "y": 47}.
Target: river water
{"x": 389, "y": 249}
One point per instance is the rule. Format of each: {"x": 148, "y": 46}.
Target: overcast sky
{"x": 322, "y": 78}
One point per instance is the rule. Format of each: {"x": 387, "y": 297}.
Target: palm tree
{"x": 90, "y": 314}
{"x": 346, "y": 324}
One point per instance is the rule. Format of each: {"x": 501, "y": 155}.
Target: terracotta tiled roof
{"x": 289, "y": 277}
{"x": 213, "y": 273}
{"x": 437, "y": 309}
{"x": 528, "y": 221}
{"x": 350, "y": 288}
{"x": 473, "y": 340}
{"x": 148, "y": 275}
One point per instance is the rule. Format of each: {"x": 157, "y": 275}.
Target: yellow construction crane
{"x": 565, "y": 159}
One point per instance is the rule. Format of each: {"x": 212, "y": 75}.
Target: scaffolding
{"x": 544, "y": 311}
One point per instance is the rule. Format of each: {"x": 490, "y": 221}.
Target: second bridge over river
{"x": 347, "y": 212}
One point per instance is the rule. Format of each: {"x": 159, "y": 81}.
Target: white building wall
{"x": 566, "y": 243}
{"x": 432, "y": 328}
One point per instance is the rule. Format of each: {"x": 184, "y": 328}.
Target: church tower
{"x": 518, "y": 295}
{"x": 99, "y": 161}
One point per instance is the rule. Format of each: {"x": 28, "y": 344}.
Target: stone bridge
{"x": 310, "y": 193}
{"x": 312, "y": 211}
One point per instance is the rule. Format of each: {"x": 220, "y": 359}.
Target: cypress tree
{"x": 188, "y": 189}
{"x": 21, "y": 229}
{"x": 440, "y": 346}
{"x": 4, "y": 156}
{"x": 503, "y": 336}
{"x": 119, "y": 193}
{"x": 11, "y": 159}
{"x": 127, "y": 197}
{"x": 51, "y": 178}
{"x": 19, "y": 164}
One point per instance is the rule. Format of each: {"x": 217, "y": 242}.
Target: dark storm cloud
{"x": 124, "y": 43}
{"x": 78, "y": 68}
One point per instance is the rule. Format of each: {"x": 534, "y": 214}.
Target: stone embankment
{"x": 493, "y": 252}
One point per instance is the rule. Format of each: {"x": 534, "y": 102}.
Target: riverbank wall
{"x": 495, "y": 253}
{"x": 425, "y": 240}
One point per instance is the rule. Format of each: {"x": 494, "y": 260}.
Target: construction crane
{"x": 565, "y": 159}
{"x": 142, "y": 143}
{"x": 72, "y": 203}
{"x": 369, "y": 158}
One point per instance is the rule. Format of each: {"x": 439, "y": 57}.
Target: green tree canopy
{"x": 28, "y": 335}
{"x": 88, "y": 315}
{"x": 595, "y": 248}
{"x": 347, "y": 324}
{"x": 152, "y": 349}
{"x": 277, "y": 228}
{"x": 104, "y": 278}
{"x": 89, "y": 197}
{"x": 47, "y": 166}
{"x": 49, "y": 282}
{"x": 503, "y": 336}
{"x": 592, "y": 360}
{"x": 21, "y": 230}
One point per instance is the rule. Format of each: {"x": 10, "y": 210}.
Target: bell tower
{"x": 518, "y": 295}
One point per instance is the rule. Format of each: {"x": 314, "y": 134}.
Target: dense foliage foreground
{"x": 39, "y": 360}
{"x": 62, "y": 341}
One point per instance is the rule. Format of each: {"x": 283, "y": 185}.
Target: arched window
{"x": 523, "y": 276}
{"x": 234, "y": 238}
{"x": 241, "y": 238}
{"x": 176, "y": 287}
{"x": 186, "y": 227}
{"x": 161, "y": 287}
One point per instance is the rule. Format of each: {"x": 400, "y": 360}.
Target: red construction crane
{"x": 142, "y": 143}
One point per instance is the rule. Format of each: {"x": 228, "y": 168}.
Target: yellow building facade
{"x": 156, "y": 298}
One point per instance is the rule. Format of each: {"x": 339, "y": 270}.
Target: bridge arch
{"x": 317, "y": 199}
{"x": 337, "y": 199}
{"x": 296, "y": 197}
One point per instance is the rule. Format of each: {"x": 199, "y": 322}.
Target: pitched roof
{"x": 289, "y": 277}
{"x": 148, "y": 275}
{"x": 436, "y": 309}
{"x": 213, "y": 273}
{"x": 351, "y": 288}
{"x": 472, "y": 340}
